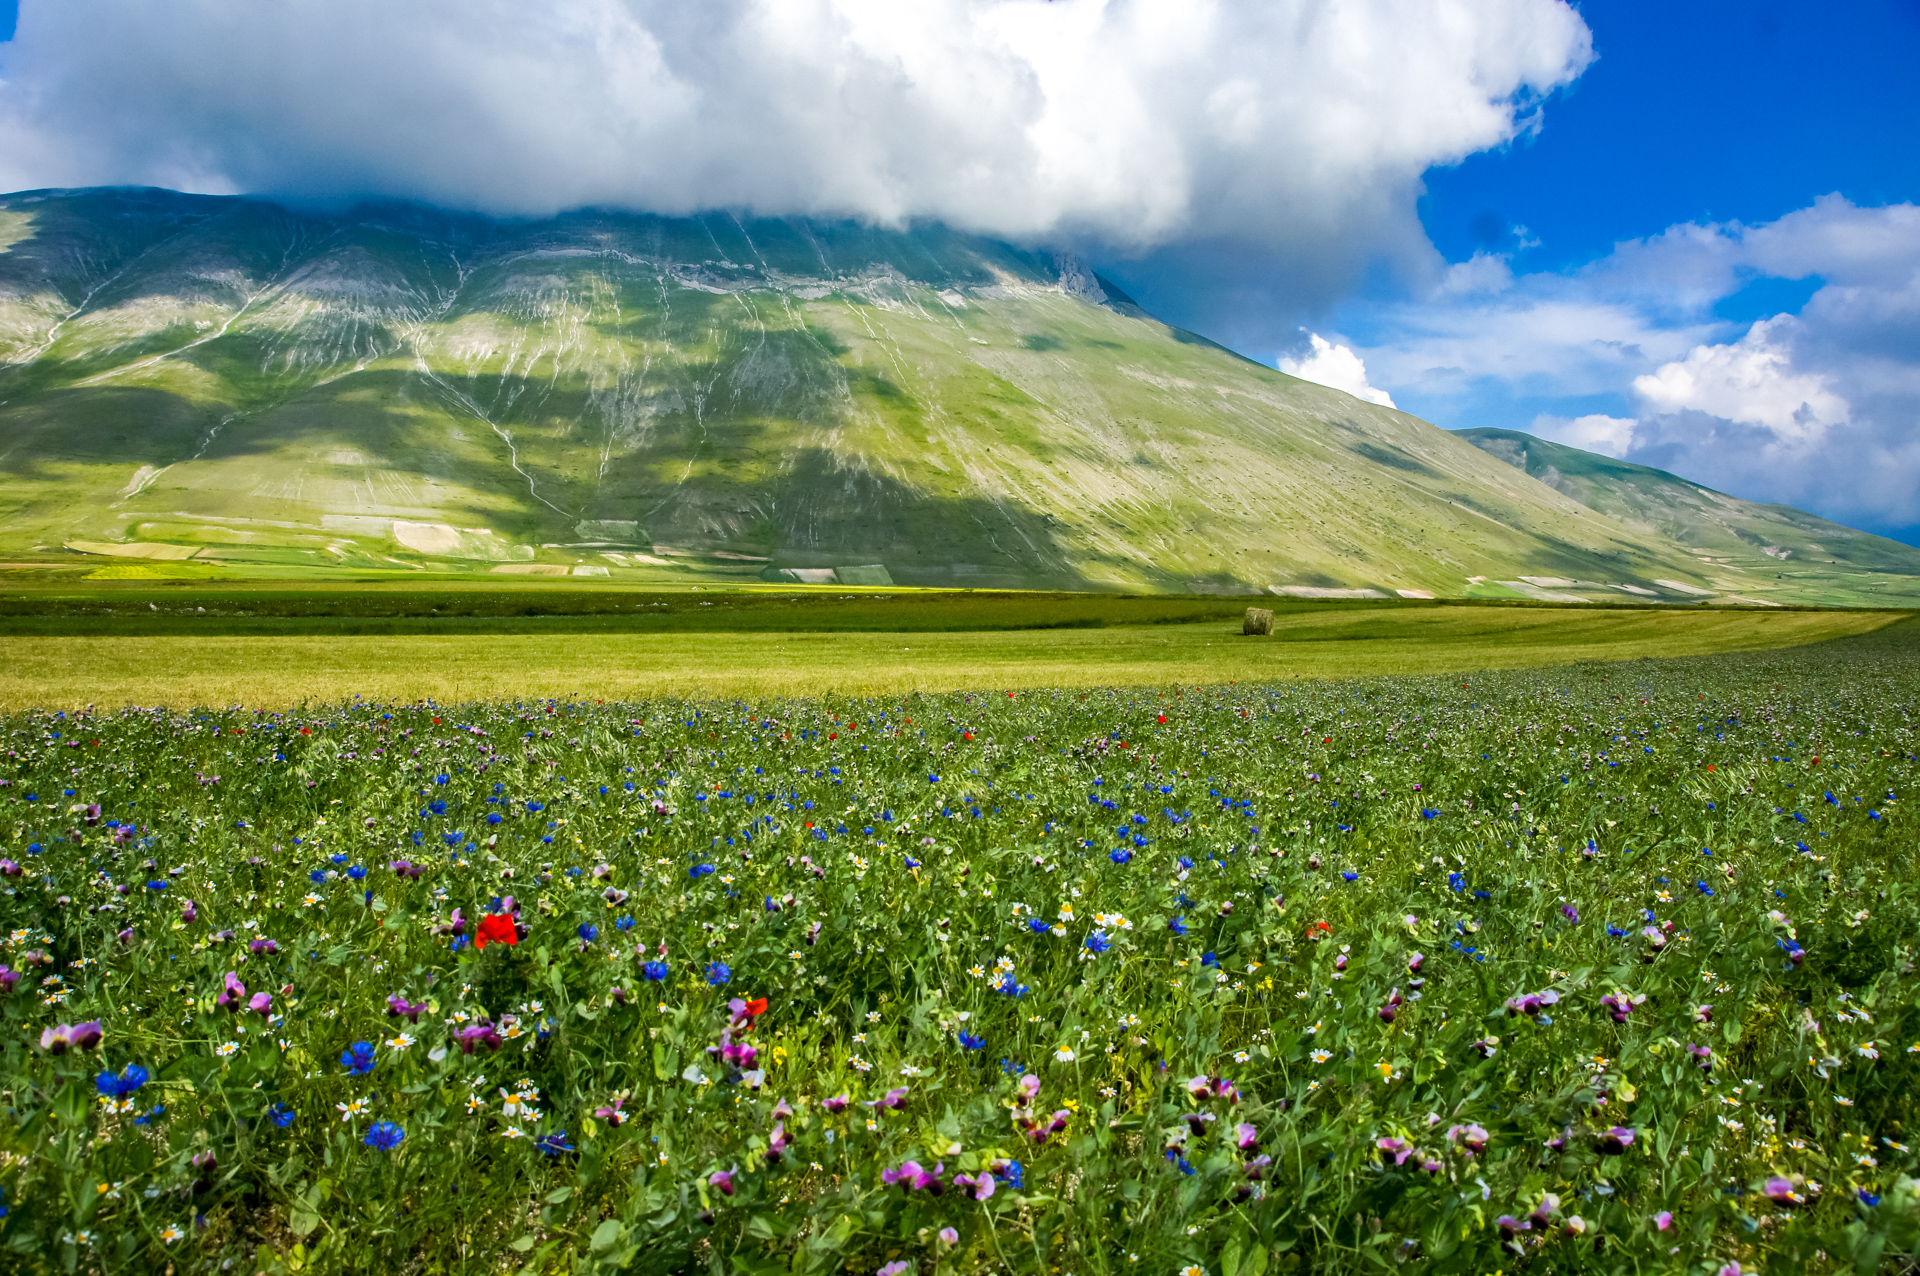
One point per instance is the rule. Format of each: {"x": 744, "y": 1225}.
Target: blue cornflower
{"x": 357, "y": 872}
{"x": 970, "y": 1042}
{"x": 494, "y": 817}
{"x": 589, "y": 932}
{"x": 358, "y": 1058}
{"x": 700, "y": 870}
{"x": 1704, "y": 888}
{"x": 718, "y": 972}
{"x": 1121, "y": 856}
{"x": 1209, "y": 959}
{"x": 553, "y": 1144}
{"x": 625, "y": 923}
{"x": 1038, "y": 925}
{"x": 1013, "y": 1175}
{"x": 281, "y": 1115}
{"x": 1349, "y": 875}
{"x": 655, "y": 970}
{"x": 1098, "y": 943}
{"x": 318, "y": 877}
{"x": 1456, "y": 881}
{"x": 384, "y": 1135}
{"x": 912, "y": 862}
{"x": 156, "y": 885}
{"x": 1868, "y": 1199}
{"x": 336, "y": 859}
{"x": 1177, "y": 926}
{"x": 126, "y": 1083}
{"x": 1185, "y": 862}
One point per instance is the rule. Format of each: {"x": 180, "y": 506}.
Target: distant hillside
{"x": 1747, "y": 542}
{"x": 193, "y": 385}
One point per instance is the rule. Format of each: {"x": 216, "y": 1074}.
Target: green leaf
{"x": 521, "y": 1244}
{"x": 605, "y": 1236}
{"x": 558, "y": 1195}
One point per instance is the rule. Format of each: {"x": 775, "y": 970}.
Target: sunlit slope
{"x": 198, "y": 384}
{"x": 1744, "y": 546}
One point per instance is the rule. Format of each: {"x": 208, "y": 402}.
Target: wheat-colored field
{"x": 278, "y": 671}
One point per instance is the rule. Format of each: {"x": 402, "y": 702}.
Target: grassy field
{"x": 1078, "y": 646}
{"x": 1601, "y": 968}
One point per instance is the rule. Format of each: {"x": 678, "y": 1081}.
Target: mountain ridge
{"x": 1719, "y": 529}
{"x": 194, "y": 384}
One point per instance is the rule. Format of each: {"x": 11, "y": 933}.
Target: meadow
{"x": 1593, "y": 967}
{"x": 279, "y": 649}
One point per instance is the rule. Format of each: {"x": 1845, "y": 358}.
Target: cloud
{"x": 1595, "y": 432}
{"x": 1284, "y": 137}
{"x": 1818, "y": 408}
{"x": 1336, "y": 366}
{"x": 1749, "y": 382}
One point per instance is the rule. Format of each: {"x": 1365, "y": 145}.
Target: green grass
{"x": 1308, "y": 642}
{"x": 1309, "y": 977}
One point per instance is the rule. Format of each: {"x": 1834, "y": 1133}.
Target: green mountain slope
{"x": 193, "y": 384}
{"x": 1744, "y": 546}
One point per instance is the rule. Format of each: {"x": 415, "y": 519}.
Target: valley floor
{"x": 183, "y": 670}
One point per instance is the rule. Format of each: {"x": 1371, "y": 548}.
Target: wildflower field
{"x": 1601, "y": 967}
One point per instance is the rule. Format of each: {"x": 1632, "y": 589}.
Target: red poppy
{"x": 754, "y": 1008}
{"x": 496, "y": 928}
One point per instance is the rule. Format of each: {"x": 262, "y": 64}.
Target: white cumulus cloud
{"x": 1750, "y": 382}
{"x": 1595, "y": 432}
{"x": 1337, "y": 366}
{"x": 1294, "y": 128}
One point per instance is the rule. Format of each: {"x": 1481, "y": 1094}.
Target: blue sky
{"x": 1681, "y": 233}
{"x": 1702, "y": 110}
{"x": 1691, "y": 117}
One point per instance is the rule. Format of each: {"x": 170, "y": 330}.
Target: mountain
{"x": 1746, "y": 547}
{"x": 192, "y": 385}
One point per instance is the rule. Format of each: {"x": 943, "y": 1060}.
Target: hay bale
{"x": 1259, "y": 620}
